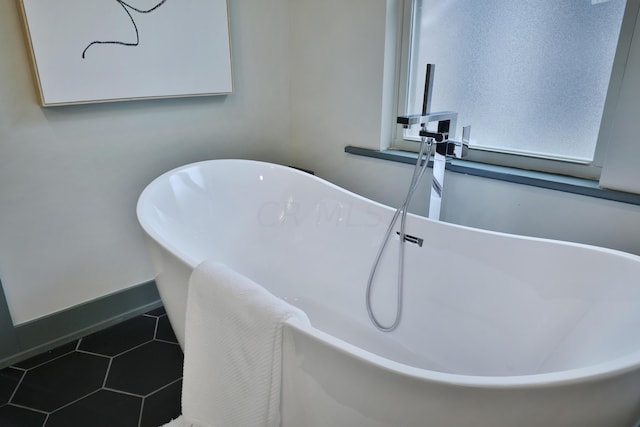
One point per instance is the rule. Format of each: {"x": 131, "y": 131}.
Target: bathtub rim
{"x": 145, "y": 194}
{"x": 608, "y": 369}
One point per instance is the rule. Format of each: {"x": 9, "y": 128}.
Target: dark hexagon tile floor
{"x": 128, "y": 375}
{"x": 146, "y": 368}
{"x": 73, "y": 375}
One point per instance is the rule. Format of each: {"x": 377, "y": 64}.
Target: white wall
{"x": 70, "y": 176}
{"x": 337, "y": 99}
{"x": 338, "y": 96}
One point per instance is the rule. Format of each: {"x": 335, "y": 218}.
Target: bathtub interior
{"x": 475, "y": 302}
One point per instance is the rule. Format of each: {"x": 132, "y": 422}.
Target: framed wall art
{"x": 111, "y": 50}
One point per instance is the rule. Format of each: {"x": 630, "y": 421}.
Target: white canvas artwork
{"x": 109, "y": 50}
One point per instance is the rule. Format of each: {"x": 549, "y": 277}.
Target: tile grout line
{"x": 141, "y": 413}
{"x": 106, "y": 374}
{"x": 126, "y": 393}
{"x": 133, "y": 348}
{"x": 144, "y": 398}
{"x": 75, "y": 401}
{"x": 155, "y": 329}
{"x": 40, "y": 411}
{"x": 44, "y": 363}
{"x": 15, "y": 389}
{"x": 166, "y": 342}
{"x": 90, "y": 353}
{"x": 103, "y": 388}
{"x": 163, "y": 387}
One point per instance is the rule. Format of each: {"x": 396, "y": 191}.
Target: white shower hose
{"x": 421, "y": 166}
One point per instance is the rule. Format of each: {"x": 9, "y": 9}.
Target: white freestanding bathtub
{"x": 497, "y": 330}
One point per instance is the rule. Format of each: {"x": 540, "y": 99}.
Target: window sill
{"x": 549, "y": 181}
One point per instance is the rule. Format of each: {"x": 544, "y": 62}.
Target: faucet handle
{"x": 466, "y": 134}
{"x": 456, "y": 149}
{"x": 462, "y": 147}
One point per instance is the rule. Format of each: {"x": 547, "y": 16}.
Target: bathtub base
{"x": 172, "y": 280}
{"x": 325, "y": 386}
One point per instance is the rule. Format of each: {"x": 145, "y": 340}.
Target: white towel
{"x": 233, "y": 350}
{"x": 180, "y": 422}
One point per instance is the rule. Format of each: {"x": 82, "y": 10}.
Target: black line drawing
{"x": 126, "y": 8}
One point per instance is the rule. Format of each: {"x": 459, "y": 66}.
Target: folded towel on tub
{"x": 233, "y": 350}
{"x": 180, "y": 422}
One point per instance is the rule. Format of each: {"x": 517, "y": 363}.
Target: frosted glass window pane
{"x": 530, "y": 76}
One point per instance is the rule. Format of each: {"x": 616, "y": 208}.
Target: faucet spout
{"x": 427, "y": 116}
{"x": 424, "y": 119}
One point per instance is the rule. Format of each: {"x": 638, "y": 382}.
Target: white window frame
{"x": 591, "y": 170}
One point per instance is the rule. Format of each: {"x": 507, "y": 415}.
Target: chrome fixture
{"x": 446, "y": 147}
{"x": 442, "y": 147}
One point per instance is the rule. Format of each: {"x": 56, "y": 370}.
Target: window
{"x": 533, "y": 78}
